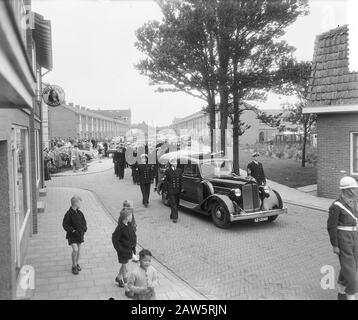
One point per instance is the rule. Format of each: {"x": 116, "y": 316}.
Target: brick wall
{"x": 333, "y": 150}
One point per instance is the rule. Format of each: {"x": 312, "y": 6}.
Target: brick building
{"x": 74, "y": 121}
{"x": 333, "y": 96}
{"x": 25, "y": 50}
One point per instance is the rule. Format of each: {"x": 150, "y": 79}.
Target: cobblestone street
{"x": 281, "y": 260}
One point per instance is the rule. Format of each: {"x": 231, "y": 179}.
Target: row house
{"x": 25, "y": 54}
{"x": 77, "y": 122}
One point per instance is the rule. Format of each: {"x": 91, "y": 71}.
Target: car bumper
{"x": 257, "y": 214}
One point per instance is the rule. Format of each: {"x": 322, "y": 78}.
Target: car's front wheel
{"x": 220, "y": 216}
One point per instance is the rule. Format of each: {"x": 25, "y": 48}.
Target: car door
{"x": 191, "y": 180}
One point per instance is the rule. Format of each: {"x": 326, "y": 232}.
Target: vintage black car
{"x": 210, "y": 187}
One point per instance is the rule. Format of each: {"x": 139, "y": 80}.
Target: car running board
{"x": 187, "y": 204}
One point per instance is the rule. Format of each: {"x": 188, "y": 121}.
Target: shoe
{"x": 146, "y": 205}
{"x": 119, "y": 282}
{"x": 129, "y": 294}
{"x": 135, "y": 258}
{"x": 342, "y": 296}
{"x": 79, "y": 268}
{"x": 175, "y": 220}
{"x": 74, "y": 270}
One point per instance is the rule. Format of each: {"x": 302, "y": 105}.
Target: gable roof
{"x": 332, "y": 84}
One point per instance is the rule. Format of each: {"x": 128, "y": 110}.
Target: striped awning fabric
{"x": 43, "y": 41}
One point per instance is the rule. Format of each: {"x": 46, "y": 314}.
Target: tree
{"x": 299, "y": 74}
{"x": 258, "y": 59}
{"x": 181, "y": 53}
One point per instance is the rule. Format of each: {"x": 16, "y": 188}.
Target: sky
{"x": 94, "y": 53}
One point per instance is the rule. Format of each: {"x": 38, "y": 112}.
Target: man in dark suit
{"x": 173, "y": 177}
{"x": 145, "y": 178}
{"x": 121, "y": 161}
{"x": 115, "y": 161}
{"x": 256, "y": 170}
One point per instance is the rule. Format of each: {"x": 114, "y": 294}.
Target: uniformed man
{"x": 121, "y": 161}
{"x": 173, "y": 177}
{"x": 145, "y": 178}
{"x": 256, "y": 170}
{"x": 115, "y": 161}
{"x": 134, "y": 167}
{"x": 342, "y": 229}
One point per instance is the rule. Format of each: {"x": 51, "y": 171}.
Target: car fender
{"x": 273, "y": 201}
{"x": 224, "y": 200}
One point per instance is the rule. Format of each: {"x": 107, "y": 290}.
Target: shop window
{"x": 21, "y": 184}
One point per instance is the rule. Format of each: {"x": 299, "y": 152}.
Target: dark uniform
{"x": 145, "y": 179}
{"x": 173, "y": 186}
{"x": 121, "y": 162}
{"x": 256, "y": 171}
{"x": 342, "y": 229}
{"x": 75, "y": 225}
{"x": 115, "y": 162}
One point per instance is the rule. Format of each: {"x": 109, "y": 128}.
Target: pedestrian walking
{"x": 255, "y": 170}
{"x": 134, "y": 167}
{"x": 105, "y": 148}
{"x": 145, "y": 179}
{"x": 115, "y": 162}
{"x": 173, "y": 177}
{"x": 75, "y": 158}
{"x": 143, "y": 280}
{"x": 342, "y": 229}
{"x": 129, "y": 204}
{"x": 121, "y": 161}
{"x": 75, "y": 225}
{"x": 123, "y": 239}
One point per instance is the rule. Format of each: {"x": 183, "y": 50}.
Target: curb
{"x": 305, "y": 206}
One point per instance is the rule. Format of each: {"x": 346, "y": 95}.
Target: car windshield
{"x": 216, "y": 168}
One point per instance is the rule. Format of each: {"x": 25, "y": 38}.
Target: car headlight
{"x": 237, "y": 192}
{"x": 266, "y": 189}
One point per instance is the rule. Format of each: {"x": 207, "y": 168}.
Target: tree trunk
{"x": 305, "y": 133}
{"x": 236, "y": 124}
{"x": 212, "y": 123}
{"x": 224, "y": 97}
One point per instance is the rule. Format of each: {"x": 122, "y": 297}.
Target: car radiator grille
{"x": 250, "y": 197}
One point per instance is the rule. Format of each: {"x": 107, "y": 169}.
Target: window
{"x": 37, "y": 156}
{"x": 20, "y": 160}
{"x": 354, "y": 153}
{"x": 191, "y": 170}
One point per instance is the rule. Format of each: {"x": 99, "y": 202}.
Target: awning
{"x": 43, "y": 41}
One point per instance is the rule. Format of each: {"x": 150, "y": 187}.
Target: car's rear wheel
{"x": 220, "y": 216}
{"x": 165, "y": 198}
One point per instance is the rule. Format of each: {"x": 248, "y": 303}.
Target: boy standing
{"x": 143, "y": 280}
{"x": 75, "y": 225}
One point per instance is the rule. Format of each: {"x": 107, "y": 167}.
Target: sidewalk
{"x": 297, "y": 197}
{"x": 95, "y": 166}
{"x": 50, "y": 256}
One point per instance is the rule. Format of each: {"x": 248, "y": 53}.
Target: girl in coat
{"x": 123, "y": 239}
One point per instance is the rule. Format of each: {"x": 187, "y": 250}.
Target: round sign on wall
{"x": 53, "y": 96}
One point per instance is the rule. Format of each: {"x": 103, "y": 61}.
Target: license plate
{"x": 261, "y": 219}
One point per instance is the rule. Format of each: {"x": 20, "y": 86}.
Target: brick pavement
{"x": 281, "y": 260}
{"x": 49, "y": 254}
